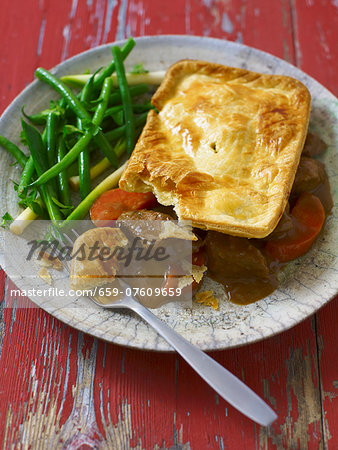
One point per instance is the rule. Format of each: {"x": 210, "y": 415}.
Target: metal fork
{"x": 220, "y": 379}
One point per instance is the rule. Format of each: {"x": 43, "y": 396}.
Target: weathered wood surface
{"x": 62, "y": 389}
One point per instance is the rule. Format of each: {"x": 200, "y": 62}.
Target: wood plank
{"x": 20, "y": 30}
{"x": 124, "y": 396}
{"x": 262, "y": 24}
{"x": 315, "y": 27}
{"x": 37, "y": 360}
{"x": 327, "y": 319}
{"x": 315, "y": 30}
{"x": 52, "y": 31}
{"x": 144, "y": 385}
{"x": 79, "y": 390}
{"x": 283, "y": 371}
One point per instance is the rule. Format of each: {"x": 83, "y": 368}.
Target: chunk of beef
{"x": 311, "y": 177}
{"x": 231, "y": 257}
{"x": 314, "y": 145}
{"x": 240, "y": 266}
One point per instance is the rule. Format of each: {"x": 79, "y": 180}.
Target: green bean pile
{"x": 61, "y": 139}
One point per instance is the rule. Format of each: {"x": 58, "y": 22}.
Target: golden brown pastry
{"x": 90, "y": 268}
{"x": 224, "y": 148}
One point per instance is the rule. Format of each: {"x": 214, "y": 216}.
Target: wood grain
{"x": 62, "y": 389}
{"x": 327, "y": 343}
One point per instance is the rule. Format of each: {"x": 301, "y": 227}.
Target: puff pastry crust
{"x": 224, "y": 147}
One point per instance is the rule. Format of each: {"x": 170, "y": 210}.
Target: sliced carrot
{"x": 308, "y": 217}
{"x": 111, "y": 204}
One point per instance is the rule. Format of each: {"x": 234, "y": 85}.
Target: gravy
{"x": 240, "y": 267}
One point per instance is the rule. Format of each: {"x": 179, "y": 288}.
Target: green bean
{"x": 106, "y": 148}
{"x": 102, "y": 106}
{"x": 137, "y": 108}
{"x": 113, "y": 110}
{"x": 73, "y": 169}
{"x": 126, "y": 49}
{"x": 107, "y": 71}
{"x": 84, "y": 169}
{"x": 74, "y": 151}
{"x": 51, "y": 141}
{"x": 84, "y": 157}
{"x": 100, "y": 139}
{"x": 39, "y": 156}
{"x": 51, "y": 137}
{"x": 44, "y": 136}
{"x": 83, "y": 142}
{"x": 62, "y": 176}
{"x": 63, "y": 90}
{"x": 36, "y": 147}
{"x": 76, "y": 105}
{"x": 14, "y": 151}
{"x": 112, "y": 136}
{"x": 115, "y": 98}
{"x": 53, "y": 210}
{"x": 26, "y": 176}
{"x": 126, "y": 100}
{"x": 84, "y": 173}
{"x": 87, "y": 91}
{"x": 115, "y": 134}
{"x": 67, "y": 160}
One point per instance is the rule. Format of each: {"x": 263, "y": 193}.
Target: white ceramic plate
{"x": 308, "y": 283}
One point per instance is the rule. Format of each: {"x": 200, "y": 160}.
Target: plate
{"x": 308, "y": 283}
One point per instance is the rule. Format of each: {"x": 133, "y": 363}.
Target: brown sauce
{"x": 243, "y": 291}
{"x": 240, "y": 267}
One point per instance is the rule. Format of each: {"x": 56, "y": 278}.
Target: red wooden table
{"x": 62, "y": 389}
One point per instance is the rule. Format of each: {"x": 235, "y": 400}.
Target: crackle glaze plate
{"x": 307, "y": 284}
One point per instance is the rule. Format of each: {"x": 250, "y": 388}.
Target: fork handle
{"x": 220, "y": 379}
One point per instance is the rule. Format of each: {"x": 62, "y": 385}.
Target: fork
{"x": 227, "y": 385}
